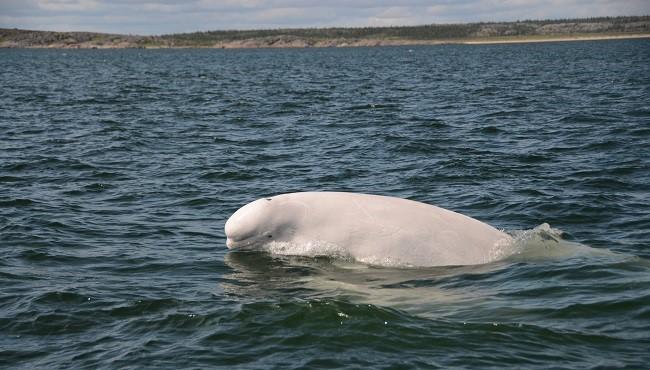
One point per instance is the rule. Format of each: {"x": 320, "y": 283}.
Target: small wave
{"x": 49, "y": 163}
{"x": 373, "y": 106}
{"x": 196, "y": 202}
{"x": 534, "y": 158}
{"x": 145, "y": 306}
{"x": 583, "y": 118}
{"x": 109, "y": 175}
{"x": 10, "y": 179}
{"x": 545, "y": 242}
{"x": 50, "y": 323}
{"x": 490, "y": 130}
{"x": 58, "y": 297}
{"x": 316, "y": 315}
{"x": 19, "y": 202}
{"x": 97, "y": 187}
{"x": 638, "y": 113}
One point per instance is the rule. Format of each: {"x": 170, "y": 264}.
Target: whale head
{"x": 262, "y": 221}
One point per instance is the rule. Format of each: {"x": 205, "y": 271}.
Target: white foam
{"x": 501, "y": 249}
{"x": 326, "y": 249}
{"x": 384, "y": 262}
{"x": 310, "y": 249}
{"x": 545, "y": 242}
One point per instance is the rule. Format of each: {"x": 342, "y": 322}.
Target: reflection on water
{"x": 118, "y": 169}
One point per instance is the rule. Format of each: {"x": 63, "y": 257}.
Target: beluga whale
{"x": 371, "y": 229}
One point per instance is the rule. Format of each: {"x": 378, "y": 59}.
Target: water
{"x": 119, "y": 168}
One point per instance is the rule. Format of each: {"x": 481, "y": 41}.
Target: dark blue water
{"x": 119, "y": 168}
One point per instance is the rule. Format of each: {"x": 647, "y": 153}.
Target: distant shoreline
{"x": 559, "y": 39}
{"x": 256, "y": 44}
{"x": 530, "y": 31}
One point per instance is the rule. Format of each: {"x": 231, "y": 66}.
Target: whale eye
{"x": 269, "y": 236}
{"x": 269, "y": 199}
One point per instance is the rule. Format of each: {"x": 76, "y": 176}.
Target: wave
{"x": 544, "y": 243}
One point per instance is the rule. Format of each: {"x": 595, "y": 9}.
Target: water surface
{"x": 119, "y": 168}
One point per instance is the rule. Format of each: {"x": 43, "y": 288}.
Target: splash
{"x": 501, "y": 249}
{"x": 310, "y": 249}
{"x": 384, "y": 262}
{"x": 544, "y": 242}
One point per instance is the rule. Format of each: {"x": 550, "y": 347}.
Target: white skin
{"x": 369, "y": 228}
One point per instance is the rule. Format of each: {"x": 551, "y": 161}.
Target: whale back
{"x": 382, "y": 230}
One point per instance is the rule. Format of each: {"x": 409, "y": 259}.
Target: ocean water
{"x": 119, "y": 168}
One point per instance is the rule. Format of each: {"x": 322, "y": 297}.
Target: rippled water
{"x": 119, "y": 168}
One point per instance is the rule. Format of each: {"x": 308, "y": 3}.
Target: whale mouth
{"x": 232, "y": 243}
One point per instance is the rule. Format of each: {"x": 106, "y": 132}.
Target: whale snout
{"x": 232, "y": 231}
{"x": 263, "y": 221}
{"x": 245, "y": 226}
{"x": 236, "y": 233}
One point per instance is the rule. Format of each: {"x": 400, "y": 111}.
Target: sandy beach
{"x": 555, "y": 39}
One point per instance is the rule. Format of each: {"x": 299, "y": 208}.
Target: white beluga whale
{"x": 373, "y": 229}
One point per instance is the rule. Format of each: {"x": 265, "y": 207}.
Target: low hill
{"x": 520, "y": 31}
